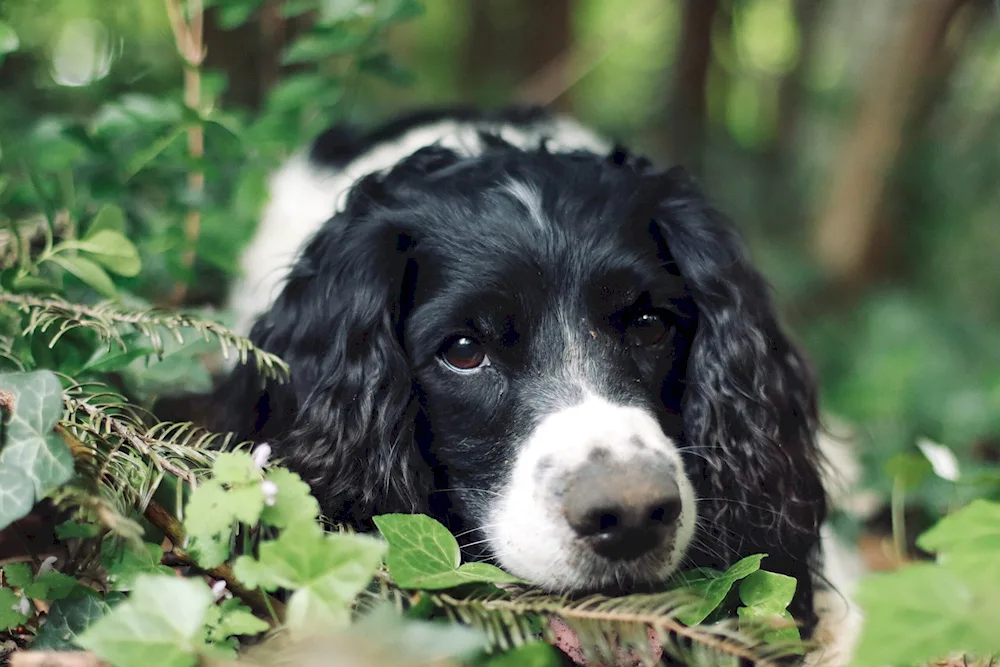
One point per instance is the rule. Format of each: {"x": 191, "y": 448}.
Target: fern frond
{"x": 124, "y": 460}
{"x": 605, "y": 626}
{"x": 108, "y": 319}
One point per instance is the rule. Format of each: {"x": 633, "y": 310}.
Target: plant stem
{"x": 897, "y": 502}
{"x": 189, "y": 36}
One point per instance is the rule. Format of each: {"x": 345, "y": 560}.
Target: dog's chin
{"x": 575, "y": 569}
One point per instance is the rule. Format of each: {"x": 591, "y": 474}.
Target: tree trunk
{"x": 847, "y": 227}
{"x": 688, "y": 125}
{"x": 548, "y": 35}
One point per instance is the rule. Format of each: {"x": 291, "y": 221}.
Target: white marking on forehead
{"x": 530, "y": 197}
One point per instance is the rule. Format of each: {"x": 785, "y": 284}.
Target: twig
{"x": 189, "y": 36}
{"x": 56, "y": 659}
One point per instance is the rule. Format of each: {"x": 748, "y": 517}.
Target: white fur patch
{"x": 303, "y": 196}
{"x": 528, "y": 531}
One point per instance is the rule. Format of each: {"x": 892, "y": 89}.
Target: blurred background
{"x": 855, "y": 142}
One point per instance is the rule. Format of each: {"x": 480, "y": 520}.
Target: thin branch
{"x": 189, "y": 36}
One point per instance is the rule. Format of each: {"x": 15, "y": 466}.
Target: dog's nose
{"x": 622, "y": 510}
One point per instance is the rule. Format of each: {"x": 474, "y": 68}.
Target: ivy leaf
{"x": 925, "y": 612}
{"x": 124, "y": 562}
{"x": 213, "y": 508}
{"x": 10, "y": 606}
{"x": 325, "y": 571}
{"x": 160, "y": 625}
{"x": 424, "y": 554}
{"x": 52, "y": 586}
{"x": 711, "y": 587}
{"x": 234, "y": 468}
{"x": 230, "y": 618}
{"x": 68, "y": 618}
{"x": 111, "y": 249}
{"x": 33, "y": 459}
{"x": 17, "y": 575}
{"x": 766, "y": 596}
{"x": 293, "y": 503}
{"x": 88, "y": 272}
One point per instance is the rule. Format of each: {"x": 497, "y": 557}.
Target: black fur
{"x": 434, "y": 247}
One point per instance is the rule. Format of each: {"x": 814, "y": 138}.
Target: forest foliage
{"x": 135, "y": 143}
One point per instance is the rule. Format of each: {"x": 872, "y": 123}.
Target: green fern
{"x": 108, "y": 319}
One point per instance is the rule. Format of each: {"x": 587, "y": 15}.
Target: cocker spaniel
{"x": 557, "y": 349}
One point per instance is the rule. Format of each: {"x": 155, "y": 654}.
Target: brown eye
{"x": 464, "y": 354}
{"x": 647, "y": 329}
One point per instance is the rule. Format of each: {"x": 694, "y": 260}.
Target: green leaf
{"x": 17, "y": 575}
{"x": 924, "y": 612}
{"x": 232, "y": 617}
{"x": 968, "y": 541}
{"x": 141, "y": 159}
{"x": 234, "y": 468}
{"x": 9, "y": 42}
{"x": 74, "y": 529}
{"x": 535, "y": 654}
{"x": 424, "y": 554}
{"x": 33, "y": 459}
{"x": 124, "y": 563}
{"x": 975, "y": 527}
{"x": 68, "y": 618}
{"x": 315, "y": 46}
{"x": 109, "y": 218}
{"x": 294, "y": 502}
{"x": 302, "y": 90}
{"x": 160, "y": 625}
{"x": 10, "y": 604}
{"x": 113, "y": 250}
{"x": 88, "y": 272}
{"x": 325, "y": 571}
{"x": 235, "y": 14}
{"x": 711, "y": 587}
{"x": 109, "y": 359}
{"x": 52, "y": 586}
{"x": 213, "y": 509}
{"x": 766, "y": 596}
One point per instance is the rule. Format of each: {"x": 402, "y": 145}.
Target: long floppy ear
{"x": 346, "y": 420}
{"x": 750, "y": 404}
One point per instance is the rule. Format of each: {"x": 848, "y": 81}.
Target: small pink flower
{"x": 260, "y": 455}
{"x": 219, "y": 590}
{"x": 22, "y": 607}
{"x": 270, "y": 491}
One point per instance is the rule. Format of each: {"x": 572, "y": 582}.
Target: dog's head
{"x": 567, "y": 358}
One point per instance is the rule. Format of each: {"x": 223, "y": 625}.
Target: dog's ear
{"x": 345, "y": 422}
{"x": 750, "y": 403}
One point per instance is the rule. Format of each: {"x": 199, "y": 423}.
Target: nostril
{"x": 665, "y": 510}
{"x": 606, "y": 522}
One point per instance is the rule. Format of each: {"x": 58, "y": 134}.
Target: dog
{"x": 558, "y": 349}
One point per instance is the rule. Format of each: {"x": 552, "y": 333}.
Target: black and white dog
{"x": 563, "y": 353}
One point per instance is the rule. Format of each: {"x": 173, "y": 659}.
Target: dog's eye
{"x": 647, "y": 329}
{"x": 464, "y": 354}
